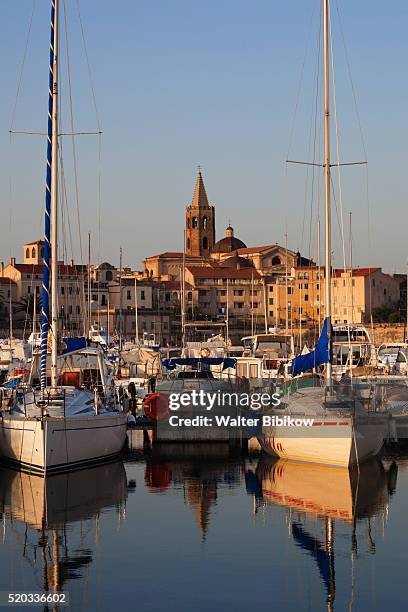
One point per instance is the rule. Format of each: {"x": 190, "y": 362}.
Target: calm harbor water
{"x": 176, "y": 531}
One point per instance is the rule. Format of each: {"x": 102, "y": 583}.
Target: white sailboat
{"x": 344, "y": 431}
{"x": 62, "y": 425}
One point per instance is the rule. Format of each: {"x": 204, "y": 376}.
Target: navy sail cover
{"x": 322, "y": 353}
{"x": 171, "y": 364}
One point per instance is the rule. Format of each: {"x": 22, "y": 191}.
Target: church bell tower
{"x": 200, "y": 222}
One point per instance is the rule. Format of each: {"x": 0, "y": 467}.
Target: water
{"x": 175, "y": 531}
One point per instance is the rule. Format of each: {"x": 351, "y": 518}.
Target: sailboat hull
{"x": 60, "y": 444}
{"x": 347, "y": 443}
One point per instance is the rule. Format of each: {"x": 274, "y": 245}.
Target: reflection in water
{"x": 326, "y": 495}
{"x": 53, "y": 506}
{"x": 196, "y": 470}
{"x": 314, "y": 529}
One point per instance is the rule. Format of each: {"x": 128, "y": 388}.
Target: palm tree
{"x": 26, "y": 306}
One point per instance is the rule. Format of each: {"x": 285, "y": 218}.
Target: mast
{"x": 120, "y": 302}
{"x": 136, "y": 321}
{"x": 227, "y": 313}
{"x": 89, "y": 284}
{"x": 183, "y": 290}
{"x": 286, "y": 285}
{"x": 54, "y": 208}
{"x": 50, "y": 209}
{"x": 351, "y": 273}
{"x": 327, "y": 177}
{"x": 252, "y": 303}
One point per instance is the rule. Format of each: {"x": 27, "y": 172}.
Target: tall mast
{"x": 351, "y": 320}
{"x": 327, "y": 174}
{"x": 136, "y": 321}
{"x": 120, "y": 302}
{"x": 89, "y": 284}
{"x": 286, "y": 285}
{"x": 50, "y": 210}
{"x": 227, "y": 313}
{"x": 54, "y": 208}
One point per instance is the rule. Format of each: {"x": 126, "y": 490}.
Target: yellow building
{"x": 354, "y": 294}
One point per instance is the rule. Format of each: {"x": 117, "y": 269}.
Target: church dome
{"x": 235, "y": 261}
{"x": 228, "y": 244}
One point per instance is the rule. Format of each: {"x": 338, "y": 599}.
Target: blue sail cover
{"x": 171, "y": 364}
{"x": 322, "y": 353}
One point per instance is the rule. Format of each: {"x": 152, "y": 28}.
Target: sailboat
{"x": 64, "y": 424}
{"x": 343, "y": 430}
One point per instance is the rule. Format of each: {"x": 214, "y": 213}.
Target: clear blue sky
{"x": 213, "y": 83}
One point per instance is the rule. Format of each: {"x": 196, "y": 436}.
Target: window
{"x": 78, "y": 310}
{"x": 70, "y": 290}
{"x": 385, "y": 292}
{"x": 188, "y": 244}
{"x": 238, "y": 305}
{"x": 33, "y": 252}
{"x": 128, "y": 295}
{"x": 318, "y": 286}
{"x": 204, "y": 222}
{"x": 152, "y": 325}
{"x": 103, "y": 299}
{"x": 142, "y": 295}
{"x": 205, "y": 243}
{"x": 165, "y": 325}
{"x": 271, "y": 288}
{"x": 238, "y": 292}
{"x": 335, "y": 283}
{"x": 271, "y": 301}
{"x": 300, "y": 285}
{"x": 305, "y": 285}
{"x": 344, "y": 282}
{"x": 353, "y": 283}
{"x": 62, "y": 290}
{"x": 255, "y": 305}
{"x": 300, "y": 276}
{"x": 167, "y": 296}
{"x": 27, "y": 253}
{"x": 306, "y": 275}
{"x": 306, "y": 297}
{"x": 194, "y": 222}
{"x": 77, "y": 290}
{"x": 109, "y": 275}
{"x": 189, "y": 296}
{"x": 289, "y": 290}
{"x": 94, "y": 297}
{"x": 276, "y": 261}
{"x": 373, "y": 282}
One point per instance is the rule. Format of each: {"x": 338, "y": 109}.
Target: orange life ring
{"x": 156, "y": 406}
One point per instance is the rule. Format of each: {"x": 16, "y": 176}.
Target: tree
{"x": 26, "y": 306}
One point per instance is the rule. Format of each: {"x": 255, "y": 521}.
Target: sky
{"x": 229, "y": 85}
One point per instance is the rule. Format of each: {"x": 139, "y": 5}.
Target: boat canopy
{"x": 197, "y": 362}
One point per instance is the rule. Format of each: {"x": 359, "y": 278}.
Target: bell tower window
{"x": 194, "y": 222}
{"x": 204, "y": 222}
{"x": 205, "y": 243}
